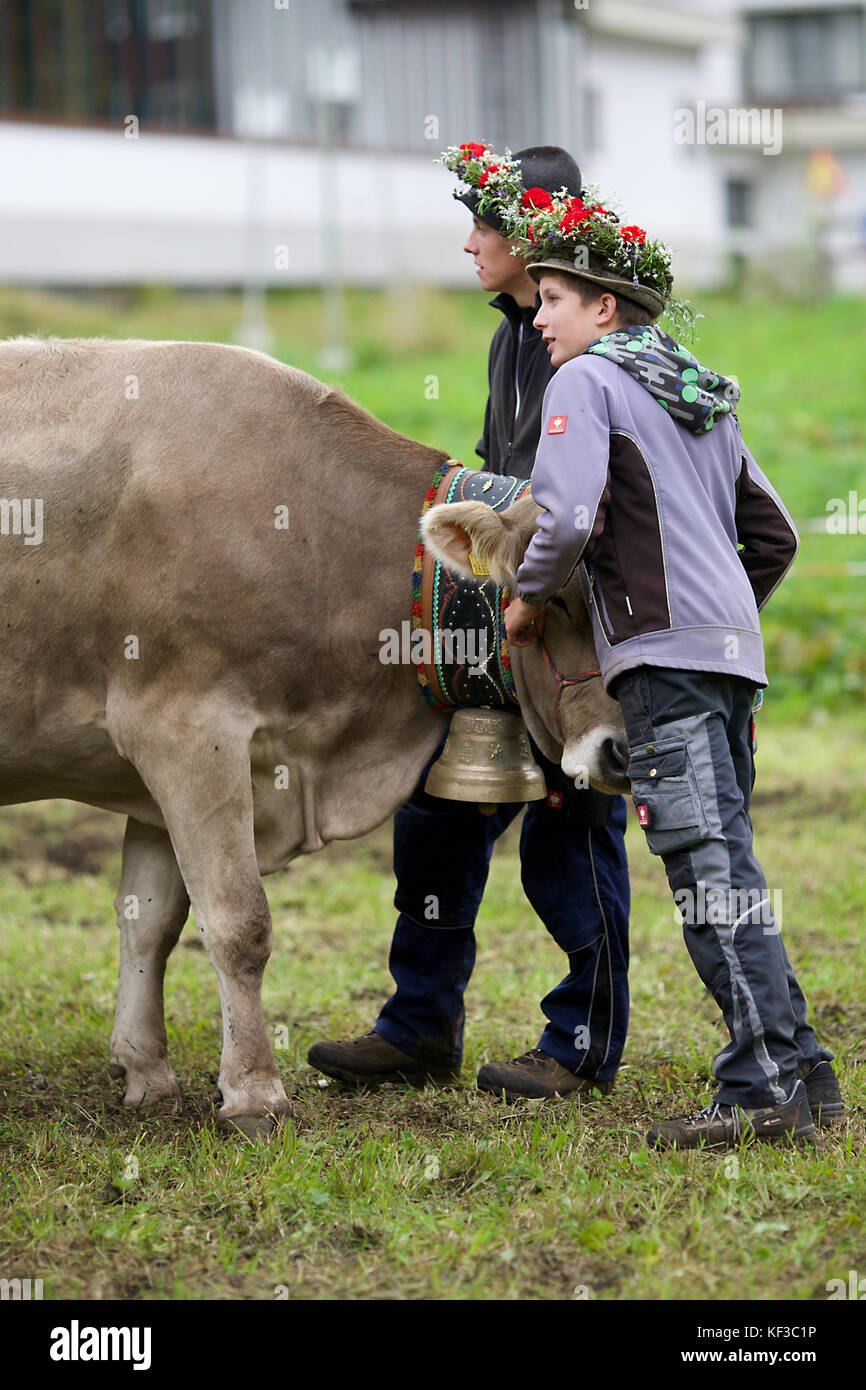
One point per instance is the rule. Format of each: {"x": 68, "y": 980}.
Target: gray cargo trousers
{"x": 691, "y": 766}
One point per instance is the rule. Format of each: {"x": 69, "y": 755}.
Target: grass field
{"x": 446, "y": 1193}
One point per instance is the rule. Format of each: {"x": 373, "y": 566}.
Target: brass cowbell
{"x": 487, "y": 759}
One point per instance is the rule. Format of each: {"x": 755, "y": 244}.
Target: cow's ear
{"x": 474, "y": 540}
{"x": 443, "y": 529}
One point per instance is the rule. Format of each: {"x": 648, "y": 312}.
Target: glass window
{"x": 81, "y": 59}
{"x": 814, "y": 56}
{"x": 740, "y": 203}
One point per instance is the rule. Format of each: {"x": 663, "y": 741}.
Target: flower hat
{"x": 581, "y": 235}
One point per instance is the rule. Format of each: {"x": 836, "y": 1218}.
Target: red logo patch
{"x": 557, "y": 424}
{"x": 554, "y": 799}
{"x": 643, "y": 816}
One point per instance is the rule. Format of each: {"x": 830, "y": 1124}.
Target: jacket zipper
{"x": 601, "y": 607}
{"x": 517, "y": 375}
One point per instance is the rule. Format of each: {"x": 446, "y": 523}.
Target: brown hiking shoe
{"x": 536, "y": 1075}
{"x": 369, "y": 1060}
{"x": 824, "y": 1096}
{"x": 727, "y": 1126}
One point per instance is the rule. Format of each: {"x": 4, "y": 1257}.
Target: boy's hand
{"x": 524, "y": 622}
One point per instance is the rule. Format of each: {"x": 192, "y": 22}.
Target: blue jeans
{"x": 575, "y": 874}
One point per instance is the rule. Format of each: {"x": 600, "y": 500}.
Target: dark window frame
{"x": 739, "y": 195}
{"x": 795, "y": 91}
{"x": 78, "y": 62}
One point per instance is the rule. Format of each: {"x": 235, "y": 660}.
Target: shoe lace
{"x": 531, "y": 1058}
{"x": 717, "y": 1111}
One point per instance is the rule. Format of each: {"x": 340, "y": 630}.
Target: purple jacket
{"x": 654, "y": 513}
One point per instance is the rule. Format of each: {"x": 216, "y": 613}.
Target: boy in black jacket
{"x": 572, "y": 848}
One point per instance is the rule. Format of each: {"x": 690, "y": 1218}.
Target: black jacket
{"x": 519, "y": 371}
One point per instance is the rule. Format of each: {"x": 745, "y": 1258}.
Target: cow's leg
{"x": 152, "y": 906}
{"x": 199, "y": 775}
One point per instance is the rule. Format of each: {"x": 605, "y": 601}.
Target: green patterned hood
{"x": 694, "y": 395}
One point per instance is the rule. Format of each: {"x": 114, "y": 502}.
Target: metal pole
{"x": 335, "y": 355}
{"x": 254, "y": 325}
{"x": 254, "y": 331}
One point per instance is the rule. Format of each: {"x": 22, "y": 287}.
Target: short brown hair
{"x": 628, "y": 311}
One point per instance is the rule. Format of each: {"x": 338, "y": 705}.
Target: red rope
{"x": 563, "y": 681}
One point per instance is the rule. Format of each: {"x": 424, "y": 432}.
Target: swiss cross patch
{"x": 554, "y": 800}
{"x": 643, "y": 816}
{"x": 557, "y": 424}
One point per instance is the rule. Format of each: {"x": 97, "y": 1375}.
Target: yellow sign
{"x": 825, "y": 176}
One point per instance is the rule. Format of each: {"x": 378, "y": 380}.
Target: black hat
{"x": 542, "y": 166}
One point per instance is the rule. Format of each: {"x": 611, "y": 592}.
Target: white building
{"x": 209, "y": 142}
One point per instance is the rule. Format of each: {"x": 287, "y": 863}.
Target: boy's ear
{"x": 477, "y": 542}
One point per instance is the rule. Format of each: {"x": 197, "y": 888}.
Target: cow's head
{"x": 580, "y": 726}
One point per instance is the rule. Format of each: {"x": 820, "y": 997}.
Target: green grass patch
{"x": 446, "y": 1193}
{"x": 434, "y": 1193}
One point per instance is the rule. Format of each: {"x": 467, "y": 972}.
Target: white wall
{"x": 675, "y": 191}
{"x": 91, "y": 207}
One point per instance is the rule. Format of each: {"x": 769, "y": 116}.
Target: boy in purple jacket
{"x": 680, "y": 539}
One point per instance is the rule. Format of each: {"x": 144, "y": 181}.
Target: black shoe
{"x": 537, "y": 1075}
{"x": 825, "y": 1098}
{"x": 727, "y": 1126}
{"x": 369, "y": 1060}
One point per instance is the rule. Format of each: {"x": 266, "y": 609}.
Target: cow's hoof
{"x": 147, "y": 1087}
{"x": 255, "y": 1126}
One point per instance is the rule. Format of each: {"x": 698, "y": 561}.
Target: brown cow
{"x": 191, "y": 638}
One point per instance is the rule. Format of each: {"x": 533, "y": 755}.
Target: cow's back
{"x": 146, "y": 464}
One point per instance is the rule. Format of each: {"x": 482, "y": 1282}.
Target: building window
{"x": 75, "y": 59}
{"x": 811, "y": 56}
{"x": 739, "y": 198}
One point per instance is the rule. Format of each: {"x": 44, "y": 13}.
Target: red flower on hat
{"x": 491, "y": 169}
{"x": 475, "y": 151}
{"x": 529, "y": 232}
{"x": 633, "y": 234}
{"x": 536, "y": 198}
{"x": 576, "y": 212}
